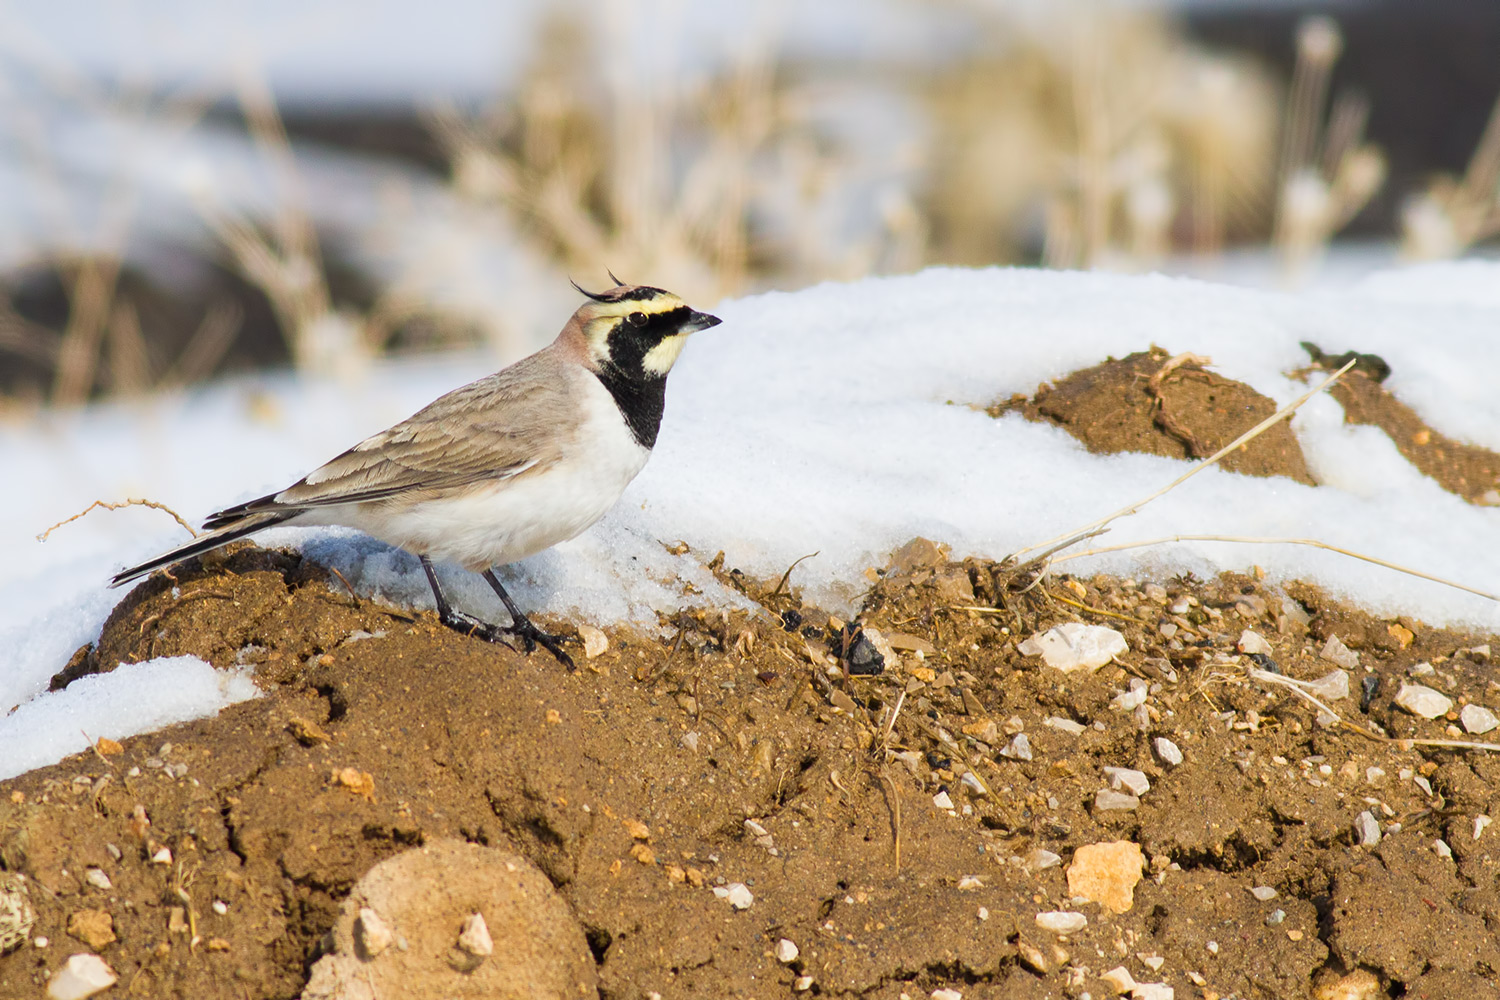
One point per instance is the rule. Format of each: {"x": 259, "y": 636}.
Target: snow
{"x": 843, "y": 420}
{"x": 133, "y": 698}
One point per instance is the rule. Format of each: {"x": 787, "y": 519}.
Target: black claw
{"x": 471, "y": 626}
{"x": 531, "y": 637}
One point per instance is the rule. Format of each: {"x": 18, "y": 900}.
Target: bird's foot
{"x": 469, "y": 625}
{"x": 531, "y": 637}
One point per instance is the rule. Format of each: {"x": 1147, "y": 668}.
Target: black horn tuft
{"x": 596, "y": 296}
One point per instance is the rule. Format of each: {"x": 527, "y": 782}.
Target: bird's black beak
{"x": 698, "y": 321}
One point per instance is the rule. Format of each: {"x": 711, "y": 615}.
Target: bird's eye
{"x": 636, "y": 319}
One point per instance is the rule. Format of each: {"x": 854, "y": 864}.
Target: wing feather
{"x": 495, "y": 428}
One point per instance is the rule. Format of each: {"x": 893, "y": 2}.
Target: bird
{"x": 499, "y": 469}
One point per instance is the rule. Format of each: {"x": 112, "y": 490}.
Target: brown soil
{"x": 1158, "y": 404}
{"x": 629, "y": 784}
{"x": 1467, "y": 470}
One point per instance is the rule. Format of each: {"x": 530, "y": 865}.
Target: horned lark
{"x": 502, "y": 468}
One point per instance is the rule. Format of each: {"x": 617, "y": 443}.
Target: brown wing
{"x": 495, "y": 428}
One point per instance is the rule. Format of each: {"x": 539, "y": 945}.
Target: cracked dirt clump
{"x": 398, "y": 932}
{"x": 900, "y": 851}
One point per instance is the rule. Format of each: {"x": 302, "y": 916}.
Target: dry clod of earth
{"x": 430, "y": 902}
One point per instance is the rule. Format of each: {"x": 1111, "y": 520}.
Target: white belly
{"x": 513, "y": 518}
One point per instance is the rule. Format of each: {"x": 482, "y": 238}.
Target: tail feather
{"x": 223, "y": 535}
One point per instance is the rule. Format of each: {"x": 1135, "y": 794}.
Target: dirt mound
{"x": 1155, "y": 403}
{"x": 697, "y": 799}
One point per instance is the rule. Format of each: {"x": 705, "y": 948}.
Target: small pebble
{"x": 162, "y": 857}
{"x": 1168, "y": 751}
{"x": 1264, "y": 893}
{"x": 371, "y": 935}
{"x": 1367, "y": 829}
{"x": 1331, "y": 686}
{"x": 96, "y": 878}
{"x": 1065, "y": 725}
{"x": 1061, "y": 921}
{"x": 971, "y": 781}
{"x": 1423, "y": 701}
{"x": 984, "y": 913}
{"x": 1041, "y": 859}
{"x": 1251, "y": 642}
{"x": 1336, "y": 652}
{"x": 1443, "y": 850}
{"x": 739, "y": 895}
{"x": 1074, "y": 646}
{"x": 802, "y": 983}
{"x": 1423, "y": 669}
{"x": 1476, "y": 719}
{"x": 970, "y": 882}
{"x": 1480, "y": 822}
{"x": 220, "y": 907}
{"x": 1275, "y": 917}
{"x": 947, "y": 994}
{"x": 786, "y": 951}
{"x": 942, "y": 801}
{"x": 594, "y": 641}
{"x": 475, "y": 938}
{"x": 1019, "y": 748}
{"x": 83, "y": 975}
{"x": 1213, "y": 947}
{"x": 1126, "y": 779}
{"x": 1108, "y": 800}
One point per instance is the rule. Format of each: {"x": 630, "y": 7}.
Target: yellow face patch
{"x": 602, "y": 319}
{"x": 660, "y": 359}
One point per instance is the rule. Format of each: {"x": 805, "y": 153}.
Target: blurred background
{"x": 191, "y": 189}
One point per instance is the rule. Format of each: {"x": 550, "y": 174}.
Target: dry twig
{"x": 133, "y": 502}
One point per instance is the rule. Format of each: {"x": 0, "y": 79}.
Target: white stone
{"x": 755, "y": 829}
{"x": 1476, "y": 719}
{"x": 1041, "y": 858}
{"x": 1119, "y": 979}
{"x": 1442, "y": 849}
{"x": 786, "y": 951}
{"x": 81, "y": 976}
{"x": 1251, "y": 642}
{"x": 1107, "y": 800}
{"x": 162, "y": 857}
{"x": 1330, "y": 687}
{"x": 947, "y": 994}
{"x": 1061, "y": 921}
{"x": 96, "y": 878}
{"x": 371, "y": 935}
{"x": 220, "y": 907}
{"x": 1169, "y": 753}
{"x": 475, "y": 938}
{"x": 802, "y": 983}
{"x": 1264, "y": 893}
{"x": 970, "y": 882}
{"x": 1336, "y": 652}
{"x": 1367, "y": 829}
{"x": 1127, "y": 779}
{"x": 942, "y": 801}
{"x": 1019, "y": 748}
{"x": 1418, "y": 699}
{"x": 739, "y": 895}
{"x": 1152, "y": 991}
{"x": 1135, "y": 697}
{"x": 1480, "y": 822}
{"x": 594, "y": 641}
{"x": 1074, "y": 646}
{"x": 1066, "y": 725}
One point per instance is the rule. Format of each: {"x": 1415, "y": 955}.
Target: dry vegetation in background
{"x": 1110, "y": 142}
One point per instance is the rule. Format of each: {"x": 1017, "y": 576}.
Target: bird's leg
{"x": 457, "y": 620}
{"x": 521, "y": 626}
